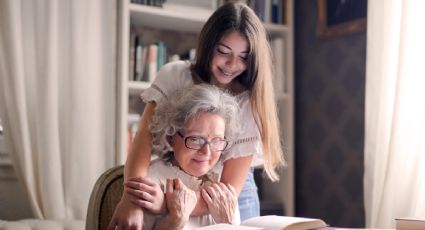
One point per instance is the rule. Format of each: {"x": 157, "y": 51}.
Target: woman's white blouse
{"x": 159, "y": 171}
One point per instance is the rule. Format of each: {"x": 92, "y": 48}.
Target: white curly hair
{"x": 173, "y": 112}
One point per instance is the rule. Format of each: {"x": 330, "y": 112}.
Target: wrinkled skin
{"x": 180, "y": 203}
{"x": 221, "y": 200}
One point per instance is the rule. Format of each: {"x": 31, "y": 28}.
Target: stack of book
{"x": 146, "y": 59}
{"x": 158, "y": 3}
{"x": 269, "y": 11}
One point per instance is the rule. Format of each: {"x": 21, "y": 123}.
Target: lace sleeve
{"x": 248, "y": 142}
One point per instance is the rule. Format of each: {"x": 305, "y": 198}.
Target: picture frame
{"x": 340, "y": 17}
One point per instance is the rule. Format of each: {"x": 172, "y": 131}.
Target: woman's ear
{"x": 170, "y": 140}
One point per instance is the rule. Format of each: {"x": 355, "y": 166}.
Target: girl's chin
{"x": 222, "y": 82}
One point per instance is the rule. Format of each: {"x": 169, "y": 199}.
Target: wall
{"x": 329, "y": 114}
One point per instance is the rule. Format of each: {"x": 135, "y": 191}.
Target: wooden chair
{"x": 104, "y": 198}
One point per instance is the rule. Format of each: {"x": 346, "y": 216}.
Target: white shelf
{"x": 187, "y": 19}
{"x": 136, "y": 87}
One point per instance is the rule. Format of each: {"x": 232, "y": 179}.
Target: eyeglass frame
{"x": 205, "y": 142}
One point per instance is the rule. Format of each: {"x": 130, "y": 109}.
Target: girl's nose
{"x": 231, "y": 62}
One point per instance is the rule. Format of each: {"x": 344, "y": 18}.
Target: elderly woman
{"x": 190, "y": 131}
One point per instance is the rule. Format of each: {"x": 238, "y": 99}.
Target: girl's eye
{"x": 222, "y": 52}
{"x": 244, "y": 58}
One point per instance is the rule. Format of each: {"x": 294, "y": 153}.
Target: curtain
{"x": 394, "y": 180}
{"x": 57, "y": 93}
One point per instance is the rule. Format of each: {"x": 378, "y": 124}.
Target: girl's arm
{"x": 235, "y": 172}
{"x": 139, "y": 157}
{"x": 127, "y": 215}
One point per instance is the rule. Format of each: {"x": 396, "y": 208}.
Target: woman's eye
{"x": 197, "y": 140}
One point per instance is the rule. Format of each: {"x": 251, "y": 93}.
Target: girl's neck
{"x": 234, "y": 87}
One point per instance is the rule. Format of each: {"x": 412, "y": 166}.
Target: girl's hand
{"x": 147, "y": 194}
{"x": 221, "y": 200}
{"x": 126, "y": 215}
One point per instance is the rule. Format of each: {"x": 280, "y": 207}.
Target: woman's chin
{"x": 198, "y": 172}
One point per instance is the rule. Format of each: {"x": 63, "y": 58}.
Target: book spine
{"x": 152, "y": 62}
{"x": 132, "y": 56}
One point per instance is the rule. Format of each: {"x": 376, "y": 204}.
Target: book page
{"x": 228, "y": 227}
{"x": 284, "y": 223}
{"x": 410, "y": 223}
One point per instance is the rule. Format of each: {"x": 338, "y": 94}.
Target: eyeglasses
{"x": 196, "y": 143}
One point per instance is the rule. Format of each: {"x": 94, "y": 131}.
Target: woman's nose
{"x": 206, "y": 149}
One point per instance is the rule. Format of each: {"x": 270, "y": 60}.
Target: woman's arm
{"x": 234, "y": 173}
{"x": 222, "y": 202}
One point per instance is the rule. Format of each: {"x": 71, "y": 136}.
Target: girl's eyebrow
{"x": 228, "y": 47}
{"x": 221, "y": 44}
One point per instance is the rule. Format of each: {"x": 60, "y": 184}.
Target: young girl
{"x": 233, "y": 53}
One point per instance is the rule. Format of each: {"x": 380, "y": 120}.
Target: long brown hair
{"x": 257, "y": 78}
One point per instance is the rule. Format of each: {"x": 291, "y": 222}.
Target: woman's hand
{"x": 147, "y": 194}
{"x": 180, "y": 203}
{"x": 126, "y": 215}
{"x": 221, "y": 200}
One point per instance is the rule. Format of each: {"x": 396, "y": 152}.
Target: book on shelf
{"x": 272, "y": 222}
{"x": 269, "y": 11}
{"x": 140, "y": 60}
{"x": 157, "y": 3}
{"x": 132, "y": 55}
{"x": 410, "y": 223}
{"x": 161, "y": 54}
{"x": 151, "y": 63}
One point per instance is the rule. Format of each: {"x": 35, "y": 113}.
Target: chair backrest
{"x": 104, "y": 198}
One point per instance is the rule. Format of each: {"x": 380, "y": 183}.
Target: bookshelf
{"x": 176, "y": 24}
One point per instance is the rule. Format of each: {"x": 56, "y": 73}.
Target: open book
{"x": 410, "y": 223}
{"x": 272, "y": 223}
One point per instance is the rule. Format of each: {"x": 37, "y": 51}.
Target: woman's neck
{"x": 176, "y": 164}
